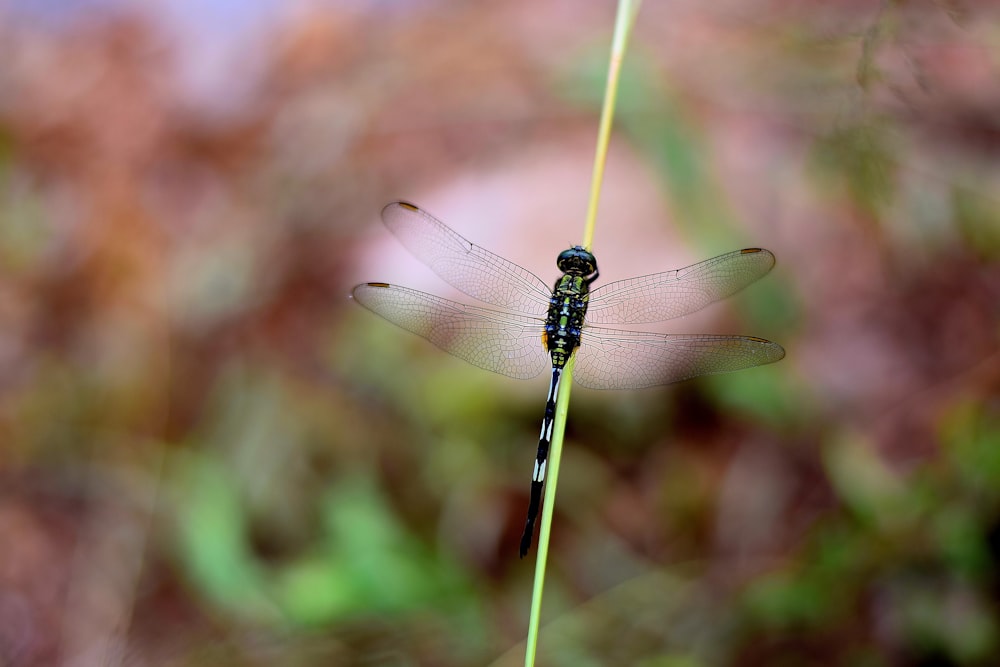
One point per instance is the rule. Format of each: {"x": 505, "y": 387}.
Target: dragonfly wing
{"x": 609, "y": 359}
{"x": 500, "y": 342}
{"x": 664, "y": 296}
{"x": 474, "y": 270}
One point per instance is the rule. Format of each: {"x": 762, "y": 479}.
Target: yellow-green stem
{"x": 627, "y": 10}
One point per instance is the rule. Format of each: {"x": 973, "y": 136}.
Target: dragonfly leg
{"x": 538, "y": 475}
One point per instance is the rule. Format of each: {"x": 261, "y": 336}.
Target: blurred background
{"x": 210, "y": 456}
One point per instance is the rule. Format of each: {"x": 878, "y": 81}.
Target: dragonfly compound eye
{"x": 577, "y": 261}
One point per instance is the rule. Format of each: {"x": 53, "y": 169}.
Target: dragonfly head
{"x": 577, "y": 261}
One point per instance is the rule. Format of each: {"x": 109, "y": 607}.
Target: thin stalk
{"x": 624, "y": 19}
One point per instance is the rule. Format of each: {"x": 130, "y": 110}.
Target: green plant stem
{"x": 625, "y": 18}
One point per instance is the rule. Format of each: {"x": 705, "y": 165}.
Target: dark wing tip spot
{"x": 408, "y": 205}
{"x": 766, "y": 256}
{"x": 384, "y": 285}
{"x": 770, "y": 348}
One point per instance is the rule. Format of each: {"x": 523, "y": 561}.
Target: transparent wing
{"x": 609, "y": 359}
{"x": 664, "y": 296}
{"x": 500, "y": 342}
{"x": 474, "y": 270}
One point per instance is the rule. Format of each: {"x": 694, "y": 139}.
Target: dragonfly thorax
{"x": 577, "y": 261}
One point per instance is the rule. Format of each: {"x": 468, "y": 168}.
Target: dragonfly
{"x": 533, "y": 328}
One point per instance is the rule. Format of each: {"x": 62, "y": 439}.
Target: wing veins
{"x": 501, "y": 342}
{"x": 612, "y": 359}
{"x": 663, "y": 296}
{"x": 468, "y": 267}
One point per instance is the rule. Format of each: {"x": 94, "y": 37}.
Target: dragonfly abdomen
{"x": 538, "y": 474}
{"x": 563, "y": 327}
